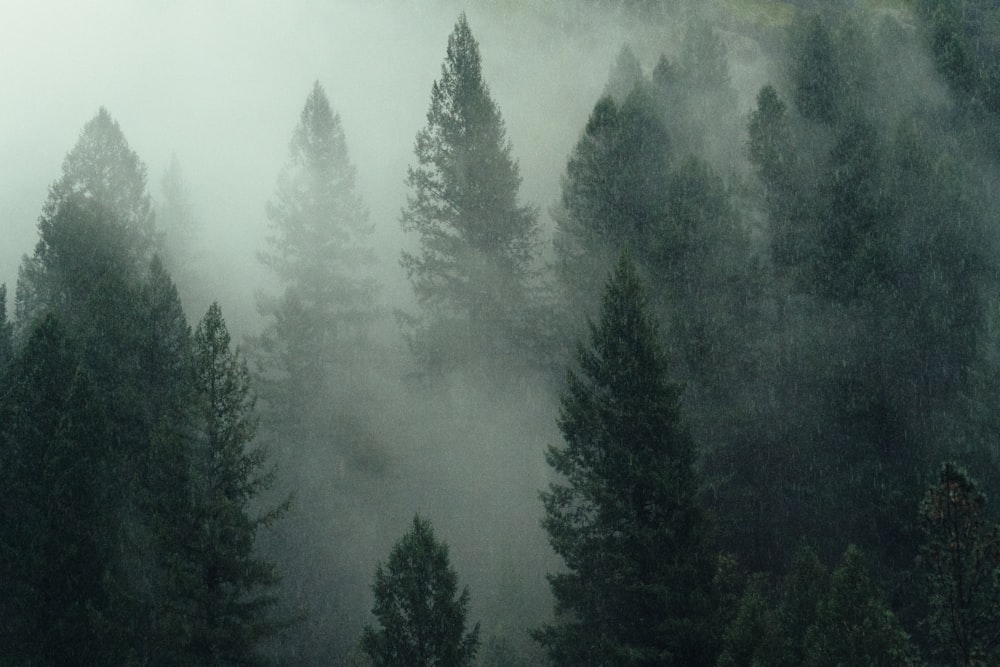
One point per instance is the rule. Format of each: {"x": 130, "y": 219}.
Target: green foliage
{"x": 6, "y": 332}
{"x": 101, "y": 173}
{"x": 214, "y": 596}
{"x": 474, "y": 269}
{"x": 752, "y": 638}
{"x": 638, "y": 586}
{"x": 854, "y": 241}
{"x": 614, "y": 195}
{"x": 772, "y": 152}
{"x": 960, "y": 559}
{"x": 318, "y": 250}
{"x": 819, "y": 85}
{"x": 853, "y": 624}
{"x": 57, "y": 522}
{"x": 422, "y": 622}
{"x": 805, "y": 585}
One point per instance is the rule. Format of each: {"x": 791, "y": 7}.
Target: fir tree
{"x": 853, "y": 624}
{"x": 100, "y": 172}
{"x": 57, "y": 522}
{"x": 472, "y": 274}
{"x": 6, "y": 332}
{"x": 215, "y": 596}
{"x": 819, "y": 87}
{"x": 419, "y": 609}
{"x": 636, "y": 544}
{"x": 614, "y": 194}
{"x": 960, "y": 559}
{"x": 317, "y": 247}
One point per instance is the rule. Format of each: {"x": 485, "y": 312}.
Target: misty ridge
{"x": 615, "y": 332}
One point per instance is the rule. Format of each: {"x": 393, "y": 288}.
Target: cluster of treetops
{"x": 826, "y": 294}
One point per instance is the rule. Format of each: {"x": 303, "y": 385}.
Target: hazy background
{"x": 221, "y": 85}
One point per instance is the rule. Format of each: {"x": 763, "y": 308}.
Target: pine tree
{"x": 960, "y": 559}
{"x": 853, "y": 624}
{"x": 819, "y": 87}
{"x": 636, "y": 544}
{"x": 214, "y": 595}
{"x": 57, "y": 522}
{"x": 752, "y": 639}
{"x": 6, "y": 332}
{"x": 101, "y": 172}
{"x": 422, "y": 621}
{"x": 318, "y": 249}
{"x": 472, "y": 275}
{"x": 771, "y": 152}
{"x": 614, "y": 195}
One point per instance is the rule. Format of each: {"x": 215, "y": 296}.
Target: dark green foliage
{"x": 960, "y": 559}
{"x": 420, "y": 612}
{"x": 214, "y": 594}
{"x": 614, "y": 195}
{"x": 638, "y": 590}
{"x": 853, "y": 624}
{"x": 805, "y": 584}
{"x": 57, "y": 521}
{"x": 473, "y": 271}
{"x": 103, "y": 174}
{"x": 6, "y": 332}
{"x": 948, "y": 35}
{"x": 819, "y": 86}
{"x": 854, "y": 241}
{"x": 752, "y": 638}
{"x": 771, "y": 150}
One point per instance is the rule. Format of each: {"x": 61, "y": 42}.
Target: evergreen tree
{"x": 318, "y": 251}
{"x": 639, "y": 586}
{"x": 422, "y": 621}
{"x": 625, "y": 75}
{"x": 752, "y": 639}
{"x": 57, "y": 522}
{"x": 215, "y": 595}
{"x": 472, "y": 274}
{"x": 853, "y": 624}
{"x": 614, "y": 195}
{"x": 960, "y": 558}
{"x": 804, "y": 586}
{"x": 102, "y": 170}
{"x": 6, "y": 332}
{"x": 772, "y": 153}
{"x": 819, "y": 87}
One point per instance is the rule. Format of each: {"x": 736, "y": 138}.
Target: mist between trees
{"x": 725, "y": 393}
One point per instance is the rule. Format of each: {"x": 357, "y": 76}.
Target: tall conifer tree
{"x": 216, "y": 596}
{"x": 472, "y": 274}
{"x": 637, "y": 546}
{"x": 317, "y": 248}
{"x": 101, "y": 172}
{"x": 57, "y": 526}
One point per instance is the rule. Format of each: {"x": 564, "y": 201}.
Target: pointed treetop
{"x": 102, "y": 166}
{"x": 318, "y": 138}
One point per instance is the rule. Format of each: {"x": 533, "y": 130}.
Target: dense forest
{"x": 711, "y": 376}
